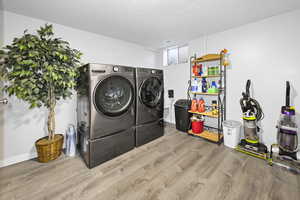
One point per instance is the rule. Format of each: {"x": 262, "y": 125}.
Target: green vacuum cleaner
{"x": 252, "y": 114}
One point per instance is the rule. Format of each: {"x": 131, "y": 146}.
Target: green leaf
{"x": 34, "y": 62}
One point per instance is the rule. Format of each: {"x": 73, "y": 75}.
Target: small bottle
{"x": 214, "y": 106}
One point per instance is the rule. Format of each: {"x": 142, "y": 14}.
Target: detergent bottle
{"x": 194, "y": 85}
{"x": 201, "y": 105}
{"x": 194, "y": 105}
{"x": 204, "y": 85}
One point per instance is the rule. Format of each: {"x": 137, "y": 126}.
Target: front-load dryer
{"x": 105, "y": 112}
{"x": 150, "y": 104}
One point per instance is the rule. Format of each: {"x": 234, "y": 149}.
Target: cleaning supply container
{"x": 231, "y": 130}
{"x": 194, "y": 105}
{"x": 71, "y": 141}
{"x": 201, "y": 105}
{"x": 197, "y": 124}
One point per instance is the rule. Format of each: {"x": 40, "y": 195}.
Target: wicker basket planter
{"x": 49, "y": 149}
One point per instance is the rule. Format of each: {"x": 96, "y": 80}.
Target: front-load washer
{"x": 105, "y": 112}
{"x": 150, "y": 104}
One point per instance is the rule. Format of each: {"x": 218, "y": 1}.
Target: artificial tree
{"x": 40, "y": 69}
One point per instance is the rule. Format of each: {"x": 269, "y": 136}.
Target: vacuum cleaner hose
{"x": 249, "y": 104}
{"x": 254, "y": 106}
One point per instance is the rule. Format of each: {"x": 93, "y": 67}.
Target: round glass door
{"x": 151, "y": 92}
{"x": 113, "y": 96}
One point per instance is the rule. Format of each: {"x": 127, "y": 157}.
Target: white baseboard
{"x": 17, "y": 159}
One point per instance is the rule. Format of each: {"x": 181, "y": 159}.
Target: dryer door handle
{"x": 132, "y": 111}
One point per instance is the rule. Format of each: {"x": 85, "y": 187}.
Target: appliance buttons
{"x": 115, "y": 69}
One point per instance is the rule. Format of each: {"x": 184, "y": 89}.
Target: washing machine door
{"x": 150, "y": 106}
{"x": 113, "y": 96}
{"x": 151, "y": 92}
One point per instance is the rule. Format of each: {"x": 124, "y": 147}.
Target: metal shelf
{"x": 214, "y": 134}
{"x": 208, "y": 76}
{"x": 208, "y": 114}
{"x": 208, "y": 135}
{"x": 208, "y": 57}
{"x": 205, "y": 93}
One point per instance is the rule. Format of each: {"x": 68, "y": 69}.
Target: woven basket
{"x": 49, "y": 149}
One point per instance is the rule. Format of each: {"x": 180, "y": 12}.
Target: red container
{"x": 197, "y": 126}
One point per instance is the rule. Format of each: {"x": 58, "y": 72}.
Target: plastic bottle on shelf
{"x": 194, "y": 105}
{"x": 194, "y": 85}
{"x": 214, "y": 84}
{"x": 213, "y": 88}
{"x": 204, "y": 85}
{"x": 199, "y": 84}
{"x": 214, "y": 106}
{"x": 201, "y": 105}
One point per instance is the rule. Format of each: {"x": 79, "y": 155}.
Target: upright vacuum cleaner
{"x": 252, "y": 114}
{"x": 287, "y": 137}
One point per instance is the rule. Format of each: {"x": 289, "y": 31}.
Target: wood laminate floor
{"x": 173, "y": 167}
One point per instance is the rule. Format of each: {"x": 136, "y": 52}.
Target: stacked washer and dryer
{"x": 118, "y": 108}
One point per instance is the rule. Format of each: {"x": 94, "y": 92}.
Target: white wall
{"x": 176, "y": 77}
{"x": 267, "y": 52}
{"x": 22, "y": 126}
{"x": 1, "y": 26}
{"x": 1, "y": 95}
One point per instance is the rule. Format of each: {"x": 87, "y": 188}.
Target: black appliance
{"x": 105, "y": 112}
{"x": 149, "y": 104}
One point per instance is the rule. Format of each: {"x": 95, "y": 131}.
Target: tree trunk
{"x": 51, "y": 115}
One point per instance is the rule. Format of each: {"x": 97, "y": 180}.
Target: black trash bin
{"x": 182, "y": 116}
